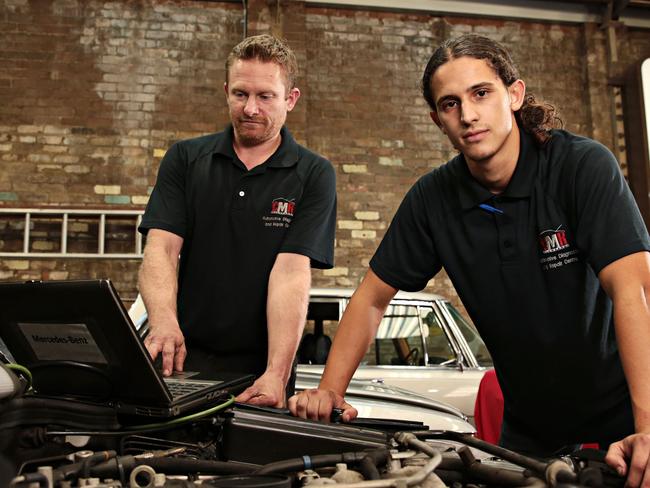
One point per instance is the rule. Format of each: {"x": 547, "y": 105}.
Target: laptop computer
{"x": 78, "y": 341}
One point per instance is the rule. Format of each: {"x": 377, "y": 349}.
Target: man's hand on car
{"x": 168, "y": 340}
{"x": 630, "y": 457}
{"x": 267, "y": 391}
{"x": 317, "y": 404}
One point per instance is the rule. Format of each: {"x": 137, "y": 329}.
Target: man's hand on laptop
{"x": 168, "y": 340}
{"x": 267, "y": 391}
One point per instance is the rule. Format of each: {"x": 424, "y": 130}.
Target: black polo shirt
{"x": 525, "y": 267}
{"x": 233, "y": 223}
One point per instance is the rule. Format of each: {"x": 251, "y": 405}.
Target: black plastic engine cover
{"x": 260, "y": 438}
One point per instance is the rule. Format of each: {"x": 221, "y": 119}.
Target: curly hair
{"x": 266, "y": 48}
{"x": 536, "y": 118}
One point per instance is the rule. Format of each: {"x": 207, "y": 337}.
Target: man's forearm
{"x": 288, "y": 297}
{"x": 627, "y": 282}
{"x": 633, "y": 337}
{"x": 355, "y": 332}
{"x": 157, "y": 280}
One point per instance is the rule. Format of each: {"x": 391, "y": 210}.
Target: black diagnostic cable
{"x": 144, "y": 428}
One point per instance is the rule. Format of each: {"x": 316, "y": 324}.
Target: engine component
{"x": 247, "y": 448}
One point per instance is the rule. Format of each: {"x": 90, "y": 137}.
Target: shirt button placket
{"x": 506, "y": 234}
{"x": 240, "y": 194}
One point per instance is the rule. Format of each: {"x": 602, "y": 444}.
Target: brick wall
{"x": 92, "y": 93}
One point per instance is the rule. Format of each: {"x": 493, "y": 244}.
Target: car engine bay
{"x": 53, "y": 442}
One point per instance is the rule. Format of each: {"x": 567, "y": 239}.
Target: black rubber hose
{"x": 170, "y": 465}
{"x": 310, "y": 462}
{"x": 536, "y": 466}
{"x": 372, "y": 459}
{"x": 470, "y": 440}
{"x": 184, "y": 466}
{"x": 82, "y": 468}
{"x": 30, "y": 478}
{"x": 368, "y": 469}
{"x": 95, "y": 459}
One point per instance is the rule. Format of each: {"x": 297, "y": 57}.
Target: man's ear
{"x": 292, "y": 98}
{"x": 517, "y": 91}
{"x": 436, "y": 120}
{"x": 225, "y": 88}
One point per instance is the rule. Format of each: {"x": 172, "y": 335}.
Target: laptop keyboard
{"x": 179, "y": 388}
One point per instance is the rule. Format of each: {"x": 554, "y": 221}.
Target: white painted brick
{"x": 355, "y": 168}
{"x": 59, "y": 275}
{"x": 29, "y": 129}
{"x": 43, "y": 246}
{"x": 367, "y": 215}
{"x": 76, "y": 169}
{"x": 108, "y": 189}
{"x": 386, "y": 161}
{"x": 139, "y": 200}
{"x": 17, "y": 264}
{"x": 350, "y": 224}
{"x": 364, "y": 234}
{"x": 337, "y": 271}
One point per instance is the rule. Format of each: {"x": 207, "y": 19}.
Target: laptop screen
{"x": 78, "y": 341}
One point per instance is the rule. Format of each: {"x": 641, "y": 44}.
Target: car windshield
{"x": 474, "y": 341}
{"x": 438, "y": 347}
{"x": 398, "y": 340}
{"x": 404, "y": 332}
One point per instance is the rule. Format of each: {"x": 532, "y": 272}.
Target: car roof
{"x": 347, "y": 293}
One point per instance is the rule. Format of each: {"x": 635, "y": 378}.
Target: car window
{"x": 472, "y": 337}
{"x": 320, "y": 328}
{"x": 398, "y": 340}
{"x": 438, "y": 347}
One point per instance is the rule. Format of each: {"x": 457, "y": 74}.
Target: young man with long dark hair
{"x": 544, "y": 243}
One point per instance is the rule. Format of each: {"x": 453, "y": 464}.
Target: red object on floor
{"x": 488, "y": 409}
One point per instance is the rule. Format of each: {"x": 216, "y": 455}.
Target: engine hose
{"x": 455, "y": 469}
{"x": 82, "y": 468}
{"x": 544, "y": 470}
{"x": 30, "y": 478}
{"x": 368, "y": 469}
{"x": 169, "y": 465}
{"x": 311, "y": 462}
{"x": 182, "y": 466}
{"x": 413, "y": 480}
{"x": 94, "y": 459}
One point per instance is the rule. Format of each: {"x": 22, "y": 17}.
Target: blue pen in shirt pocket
{"x": 491, "y": 209}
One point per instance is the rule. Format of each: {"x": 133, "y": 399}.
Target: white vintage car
{"x": 423, "y": 344}
{"x": 379, "y": 401}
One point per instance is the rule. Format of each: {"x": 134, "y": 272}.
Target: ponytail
{"x": 538, "y": 118}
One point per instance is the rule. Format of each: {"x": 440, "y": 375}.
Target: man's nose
{"x": 468, "y": 114}
{"x": 251, "y": 107}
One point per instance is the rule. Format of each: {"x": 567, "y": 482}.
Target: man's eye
{"x": 448, "y": 105}
{"x": 266, "y": 97}
{"x": 482, "y": 93}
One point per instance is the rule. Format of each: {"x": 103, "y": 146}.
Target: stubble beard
{"x": 251, "y": 136}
